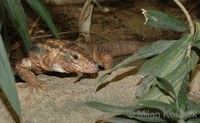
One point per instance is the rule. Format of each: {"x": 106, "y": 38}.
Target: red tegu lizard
{"x": 65, "y": 56}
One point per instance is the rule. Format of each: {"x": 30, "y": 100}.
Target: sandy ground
{"x": 63, "y": 101}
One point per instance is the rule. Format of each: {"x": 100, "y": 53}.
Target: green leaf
{"x": 166, "y": 86}
{"x": 163, "y": 64}
{"x": 126, "y": 111}
{"x": 154, "y": 111}
{"x": 145, "y": 85}
{"x": 41, "y": 10}
{"x": 150, "y": 117}
{"x": 5, "y": 36}
{"x": 182, "y": 94}
{"x": 191, "y": 114}
{"x": 147, "y": 51}
{"x": 121, "y": 120}
{"x": 153, "y": 49}
{"x": 109, "y": 108}
{"x": 193, "y": 106}
{"x": 197, "y": 36}
{"x": 160, "y": 19}
{"x": 193, "y": 120}
{"x": 197, "y": 32}
{"x": 3, "y": 29}
{"x": 193, "y": 110}
{"x": 17, "y": 16}
{"x": 103, "y": 79}
{"x": 174, "y": 77}
{"x": 7, "y": 81}
{"x": 161, "y": 106}
{"x": 2, "y": 14}
{"x": 166, "y": 62}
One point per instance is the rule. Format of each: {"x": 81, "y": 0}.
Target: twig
{"x": 63, "y": 33}
{"x": 187, "y": 16}
{"x": 33, "y": 25}
{"x": 50, "y": 35}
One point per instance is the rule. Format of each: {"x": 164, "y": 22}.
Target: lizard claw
{"x": 79, "y": 77}
{"x": 37, "y": 84}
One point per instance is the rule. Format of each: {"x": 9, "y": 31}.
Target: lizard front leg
{"x": 23, "y": 69}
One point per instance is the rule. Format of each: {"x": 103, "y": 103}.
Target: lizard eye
{"x": 75, "y": 57}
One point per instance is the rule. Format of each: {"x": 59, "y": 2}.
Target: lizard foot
{"x": 37, "y": 84}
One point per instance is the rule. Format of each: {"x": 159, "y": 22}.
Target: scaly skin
{"x": 54, "y": 55}
{"x": 65, "y": 56}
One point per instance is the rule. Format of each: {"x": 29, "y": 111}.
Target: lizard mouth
{"x": 94, "y": 68}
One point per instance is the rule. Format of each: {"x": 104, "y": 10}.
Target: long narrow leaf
{"x": 121, "y": 120}
{"x": 163, "y": 107}
{"x": 182, "y": 94}
{"x": 145, "y": 52}
{"x": 193, "y": 106}
{"x": 2, "y": 14}
{"x": 153, "y": 111}
{"x": 109, "y": 108}
{"x": 160, "y": 19}
{"x": 4, "y": 31}
{"x": 41, "y": 10}
{"x": 193, "y": 110}
{"x": 174, "y": 77}
{"x": 144, "y": 86}
{"x": 194, "y": 120}
{"x": 126, "y": 111}
{"x": 149, "y": 117}
{"x": 197, "y": 36}
{"x": 165, "y": 85}
{"x": 7, "y": 81}
{"x": 164, "y": 63}
{"x": 16, "y": 13}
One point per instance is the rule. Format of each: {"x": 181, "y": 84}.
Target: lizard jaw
{"x": 91, "y": 68}
{"x": 94, "y": 68}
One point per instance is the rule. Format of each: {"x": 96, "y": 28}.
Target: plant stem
{"x": 187, "y": 16}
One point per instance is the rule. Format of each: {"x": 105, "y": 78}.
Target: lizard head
{"x": 75, "y": 59}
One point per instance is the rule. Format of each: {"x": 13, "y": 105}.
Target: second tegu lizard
{"x": 54, "y": 55}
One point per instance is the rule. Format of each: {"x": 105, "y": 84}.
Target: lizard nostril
{"x": 75, "y": 57}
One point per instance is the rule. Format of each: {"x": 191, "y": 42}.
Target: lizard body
{"x": 65, "y": 56}
{"x": 54, "y": 55}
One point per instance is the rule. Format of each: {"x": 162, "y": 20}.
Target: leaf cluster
{"x": 162, "y": 94}
{"x": 13, "y": 9}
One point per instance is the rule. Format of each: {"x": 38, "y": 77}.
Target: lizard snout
{"x": 95, "y": 68}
